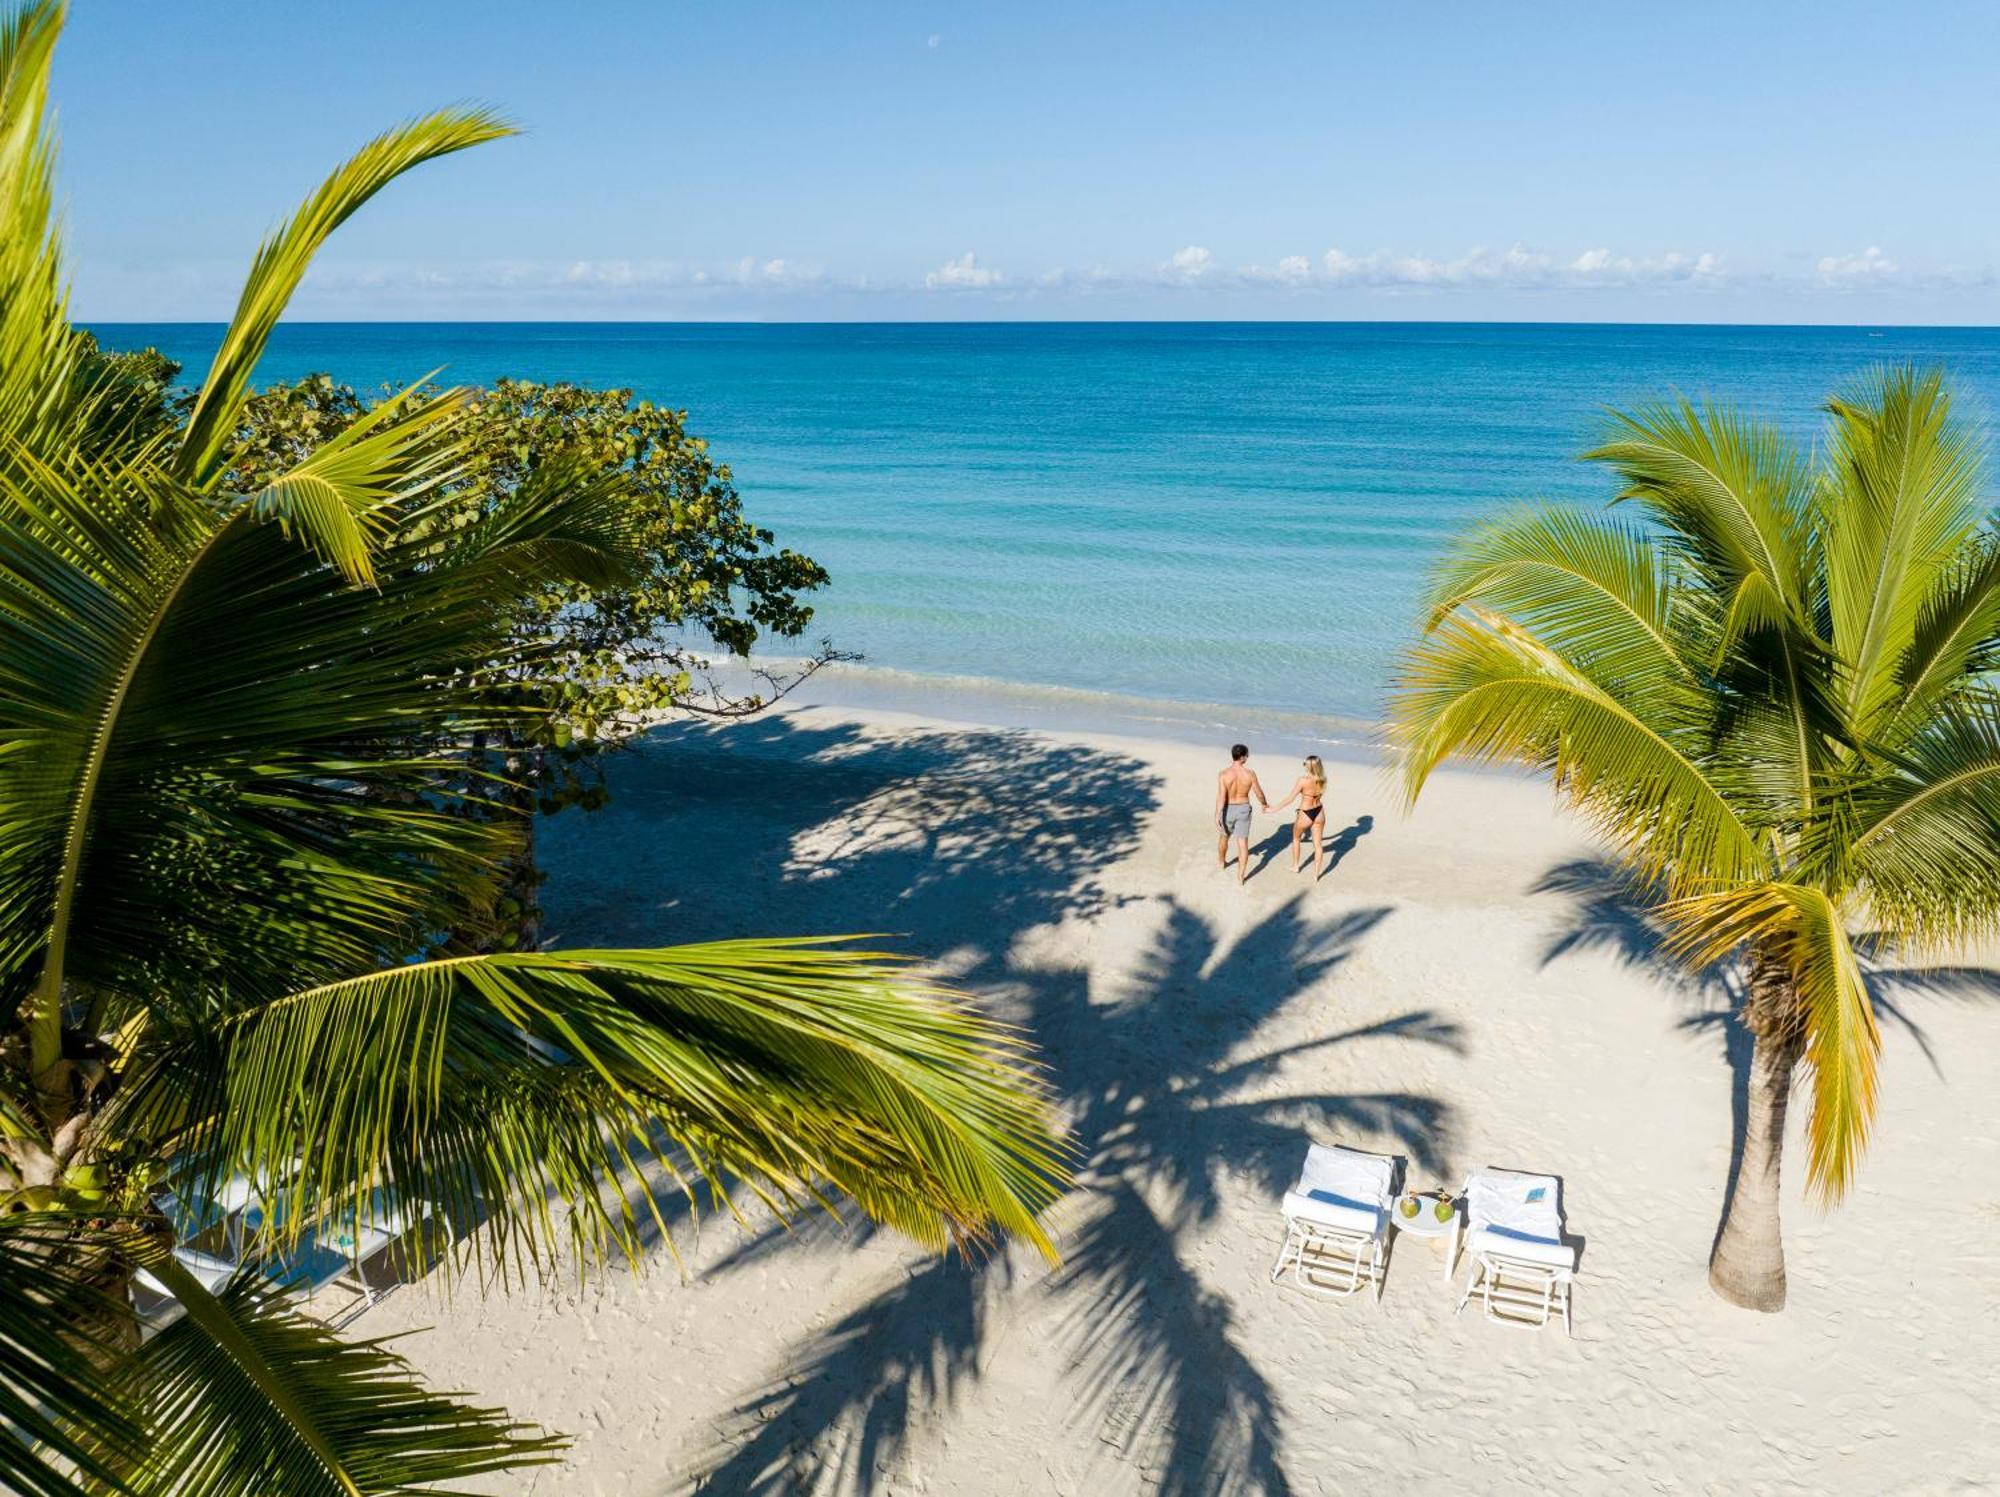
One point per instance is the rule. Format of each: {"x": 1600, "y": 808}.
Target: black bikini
{"x": 1312, "y": 813}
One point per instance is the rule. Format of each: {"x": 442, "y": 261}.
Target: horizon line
{"x": 1498, "y": 322}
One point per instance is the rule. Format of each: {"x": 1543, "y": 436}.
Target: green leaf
{"x": 792, "y": 1065}
{"x": 247, "y": 1397}
{"x": 61, "y": 1427}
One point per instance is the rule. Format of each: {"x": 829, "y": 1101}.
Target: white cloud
{"x": 1337, "y": 278}
{"x": 601, "y": 273}
{"x": 1519, "y": 268}
{"x": 642, "y": 274}
{"x": 1293, "y": 270}
{"x": 750, "y": 271}
{"x": 963, "y": 274}
{"x": 1870, "y": 265}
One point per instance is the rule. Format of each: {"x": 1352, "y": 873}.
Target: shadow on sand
{"x": 1152, "y": 1075}
{"x": 1612, "y": 912}
{"x": 1338, "y": 845}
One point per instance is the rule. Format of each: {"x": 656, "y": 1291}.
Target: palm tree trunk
{"x": 1747, "y": 1267}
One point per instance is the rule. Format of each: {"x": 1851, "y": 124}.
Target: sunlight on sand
{"x": 1461, "y": 989}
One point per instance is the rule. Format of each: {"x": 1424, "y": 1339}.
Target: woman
{"x": 1310, "y": 792}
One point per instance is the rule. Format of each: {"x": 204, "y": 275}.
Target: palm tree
{"x": 242, "y": 840}
{"x": 1767, "y": 683}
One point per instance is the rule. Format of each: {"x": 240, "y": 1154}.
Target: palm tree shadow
{"x": 1174, "y": 1109}
{"x": 1157, "y": 1084}
{"x": 1612, "y": 911}
{"x": 1156, "y": 1359}
{"x": 847, "y": 1405}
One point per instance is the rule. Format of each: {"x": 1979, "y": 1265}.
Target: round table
{"x": 1426, "y": 1224}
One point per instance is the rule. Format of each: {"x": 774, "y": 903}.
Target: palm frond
{"x": 245, "y": 1396}
{"x": 1803, "y": 930}
{"x": 1734, "y": 501}
{"x": 1730, "y": 492}
{"x": 1902, "y": 504}
{"x": 1485, "y": 688}
{"x": 791, "y": 1065}
{"x": 201, "y": 705}
{"x": 282, "y": 261}
{"x": 1955, "y": 640}
{"x": 342, "y": 501}
{"x": 39, "y": 352}
{"x": 53, "y": 1349}
{"x": 90, "y": 561}
{"x": 1597, "y": 591}
{"x": 568, "y": 521}
{"x": 1923, "y": 835}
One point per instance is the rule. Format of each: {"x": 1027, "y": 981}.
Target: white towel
{"x": 1342, "y": 1188}
{"x": 209, "y": 1271}
{"x": 1516, "y": 1215}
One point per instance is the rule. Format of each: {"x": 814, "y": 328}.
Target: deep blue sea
{"x": 1144, "y": 516}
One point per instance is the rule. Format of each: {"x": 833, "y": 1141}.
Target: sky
{"x": 1827, "y": 162}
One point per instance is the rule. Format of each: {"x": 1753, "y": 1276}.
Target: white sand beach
{"x": 1463, "y": 988}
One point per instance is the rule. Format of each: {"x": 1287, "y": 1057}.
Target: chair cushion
{"x": 1516, "y": 1215}
{"x": 209, "y": 1271}
{"x": 1503, "y": 1242}
{"x": 1348, "y": 1173}
{"x": 1344, "y": 1189}
{"x": 1356, "y": 1221}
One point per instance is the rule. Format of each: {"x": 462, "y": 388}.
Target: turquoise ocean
{"x": 1199, "y": 526}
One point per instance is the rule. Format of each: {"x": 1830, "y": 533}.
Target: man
{"x": 1233, "y": 789}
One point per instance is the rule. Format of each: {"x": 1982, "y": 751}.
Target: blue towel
{"x": 1339, "y": 1200}
{"x": 1525, "y": 1236}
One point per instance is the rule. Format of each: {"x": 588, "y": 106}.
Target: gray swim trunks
{"x": 1236, "y": 820}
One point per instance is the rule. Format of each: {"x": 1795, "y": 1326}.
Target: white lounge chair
{"x": 155, "y": 1304}
{"x": 331, "y": 1254}
{"x": 336, "y": 1252}
{"x": 1521, "y": 1266}
{"x": 208, "y": 1233}
{"x": 1337, "y": 1222}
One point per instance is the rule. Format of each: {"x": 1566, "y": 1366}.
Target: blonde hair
{"x": 1316, "y": 769}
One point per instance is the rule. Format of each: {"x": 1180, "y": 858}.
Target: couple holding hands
{"x": 1238, "y": 783}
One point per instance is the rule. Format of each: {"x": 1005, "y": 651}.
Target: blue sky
{"x": 1777, "y": 161}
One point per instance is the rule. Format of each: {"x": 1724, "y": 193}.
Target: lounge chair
{"x": 155, "y": 1305}
{"x": 222, "y": 1234}
{"x": 335, "y": 1253}
{"x": 1337, "y": 1222}
{"x": 1521, "y": 1266}
{"x": 208, "y": 1243}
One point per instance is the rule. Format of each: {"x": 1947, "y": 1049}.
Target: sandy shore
{"x": 1461, "y": 989}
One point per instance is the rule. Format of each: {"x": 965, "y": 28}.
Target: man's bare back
{"x": 1233, "y": 789}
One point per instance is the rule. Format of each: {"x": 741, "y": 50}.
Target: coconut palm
{"x": 1766, "y": 680}
{"x": 245, "y": 856}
